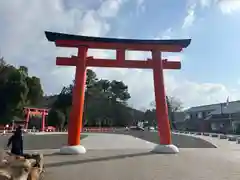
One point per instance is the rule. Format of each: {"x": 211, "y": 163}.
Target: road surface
{"x": 55, "y": 141}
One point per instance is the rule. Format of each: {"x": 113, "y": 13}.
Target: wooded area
{"x": 17, "y": 90}
{"x": 105, "y": 100}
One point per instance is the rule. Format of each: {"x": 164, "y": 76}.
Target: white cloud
{"x": 110, "y": 8}
{"x": 140, "y": 2}
{"x": 140, "y": 6}
{"x": 190, "y": 93}
{"x": 202, "y": 93}
{"x": 23, "y": 40}
{"x": 226, "y": 6}
{"x": 167, "y": 34}
{"x": 205, "y": 3}
{"x": 23, "y": 43}
{"x": 229, "y": 6}
{"x": 190, "y": 18}
{"x": 93, "y": 25}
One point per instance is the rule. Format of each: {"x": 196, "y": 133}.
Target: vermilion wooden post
{"x": 43, "y": 121}
{"x": 27, "y": 118}
{"x": 160, "y": 97}
{"x": 75, "y": 122}
{"x": 35, "y": 111}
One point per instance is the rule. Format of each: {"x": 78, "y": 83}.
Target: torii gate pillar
{"x": 160, "y": 98}
{"x": 120, "y": 45}
{"x": 75, "y": 127}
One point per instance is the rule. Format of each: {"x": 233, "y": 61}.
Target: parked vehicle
{"x": 151, "y": 128}
{"x": 136, "y": 128}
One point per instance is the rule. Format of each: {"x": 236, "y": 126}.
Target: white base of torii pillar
{"x": 166, "y": 149}
{"x": 73, "y": 150}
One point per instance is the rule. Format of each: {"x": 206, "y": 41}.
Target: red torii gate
{"x": 81, "y": 61}
{"x": 35, "y": 111}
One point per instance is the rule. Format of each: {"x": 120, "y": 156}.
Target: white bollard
{"x": 232, "y": 138}
{"x": 222, "y": 136}
{"x": 214, "y": 135}
{"x": 206, "y": 134}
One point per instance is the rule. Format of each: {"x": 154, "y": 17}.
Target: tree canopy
{"x": 173, "y": 105}
{"x": 105, "y": 102}
{"x": 17, "y": 90}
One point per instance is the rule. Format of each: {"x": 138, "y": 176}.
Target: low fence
{"x": 229, "y": 137}
{"x": 86, "y": 129}
{"x": 99, "y": 129}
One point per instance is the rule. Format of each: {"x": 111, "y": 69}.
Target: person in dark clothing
{"x": 16, "y": 141}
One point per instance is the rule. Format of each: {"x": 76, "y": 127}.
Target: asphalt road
{"x": 37, "y": 142}
{"x": 55, "y": 141}
{"x": 181, "y": 141}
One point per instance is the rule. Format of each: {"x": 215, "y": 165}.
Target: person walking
{"x": 16, "y": 142}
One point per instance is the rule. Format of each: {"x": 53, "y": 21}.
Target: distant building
{"x": 222, "y": 117}
{"x": 179, "y": 119}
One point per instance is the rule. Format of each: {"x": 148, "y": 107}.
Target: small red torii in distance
{"x": 35, "y": 111}
{"x": 82, "y": 61}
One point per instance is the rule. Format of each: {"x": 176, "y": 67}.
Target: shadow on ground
{"x": 83, "y": 161}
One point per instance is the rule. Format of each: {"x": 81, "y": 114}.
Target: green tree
{"x": 63, "y": 102}
{"x": 35, "y": 93}
{"x": 56, "y": 118}
{"x": 2, "y": 62}
{"x": 23, "y": 70}
{"x": 91, "y": 78}
{"x": 105, "y": 101}
{"x": 174, "y": 105}
{"x": 17, "y": 90}
{"x": 150, "y": 116}
{"x": 119, "y": 91}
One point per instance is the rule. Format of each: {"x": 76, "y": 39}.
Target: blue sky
{"x": 151, "y": 21}
{"x": 213, "y": 55}
{"x": 210, "y": 65}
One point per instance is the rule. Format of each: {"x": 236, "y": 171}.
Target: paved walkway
{"x": 141, "y": 165}
{"x": 115, "y": 157}
{"x": 118, "y": 157}
{"x": 115, "y": 142}
{"x": 179, "y": 140}
{"x": 219, "y": 143}
{"x": 57, "y": 140}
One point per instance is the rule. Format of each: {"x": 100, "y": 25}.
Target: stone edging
{"x": 233, "y": 138}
